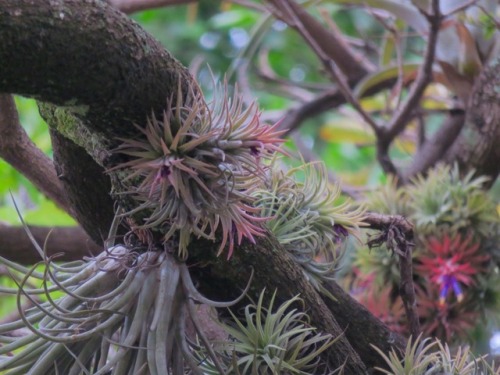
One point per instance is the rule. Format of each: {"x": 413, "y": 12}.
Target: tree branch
{"x": 327, "y": 42}
{"x": 402, "y": 115}
{"x": 72, "y": 243}
{"x": 435, "y": 148}
{"x": 476, "y": 148}
{"x": 17, "y": 149}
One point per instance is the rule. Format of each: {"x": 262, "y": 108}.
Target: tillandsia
{"x": 308, "y": 218}
{"x": 452, "y": 264}
{"x": 431, "y": 357}
{"x": 122, "y": 312}
{"x": 270, "y": 340}
{"x": 195, "y": 169}
{"x": 455, "y": 256}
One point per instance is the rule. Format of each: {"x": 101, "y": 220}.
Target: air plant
{"x": 307, "y": 218}
{"x": 431, "y": 357}
{"x": 265, "y": 341}
{"x": 122, "y": 312}
{"x": 444, "y": 198}
{"x": 195, "y": 169}
{"x": 451, "y": 263}
{"x": 455, "y": 252}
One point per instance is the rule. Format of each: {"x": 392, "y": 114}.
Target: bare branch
{"x": 17, "y": 149}
{"x": 72, "y": 243}
{"x": 424, "y": 77}
{"x": 435, "y": 148}
{"x": 402, "y": 115}
{"x": 295, "y": 21}
{"x": 325, "y": 42}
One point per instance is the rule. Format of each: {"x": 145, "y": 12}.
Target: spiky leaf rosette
{"x": 452, "y": 264}
{"x": 443, "y": 197}
{"x": 307, "y": 218}
{"x": 272, "y": 341}
{"x": 430, "y": 357}
{"x": 195, "y": 169}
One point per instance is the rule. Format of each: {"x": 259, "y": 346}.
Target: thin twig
{"x": 331, "y": 46}
{"x": 424, "y": 77}
{"x": 403, "y": 113}
{"x": 329, "y": 64}
{"x": 461, "y": 7}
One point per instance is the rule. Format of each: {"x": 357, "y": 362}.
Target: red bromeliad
{"x": 452, "y": 262}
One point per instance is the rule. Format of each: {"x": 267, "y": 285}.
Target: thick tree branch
{"x": 17, "y": 149}
{"x": 110, "y": 87}
{"x": 71, "y": 243}
{"x": 476, "y": 148}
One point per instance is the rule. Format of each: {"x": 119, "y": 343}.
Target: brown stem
{"x": 330, "y": 45}
{"x": 424, "y": 76}
{"x": 476, "y": 148}
{"x": 17, "y": 149}
{"x": 397, "y": 233}
{"x": 294, "y": 16}
{"x": 435, "y": 148}
{"x": 72, "y": 243}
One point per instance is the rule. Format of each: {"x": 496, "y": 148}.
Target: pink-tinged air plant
{"x": 452, "y": 263}
{"x": 195, "y": 169}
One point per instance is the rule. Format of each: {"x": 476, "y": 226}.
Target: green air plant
{"x": 195, "y": 169}
{"x": 307, "y": 218}
{"x": 431, "y": 357}
{"x": 265, "y": 341}
{"x": 444, "y": 198}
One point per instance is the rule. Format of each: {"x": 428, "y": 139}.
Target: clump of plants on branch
{"x": 455, "y": 258}
{"x": 201, "y": 171}
{"x": 194, "y": 170}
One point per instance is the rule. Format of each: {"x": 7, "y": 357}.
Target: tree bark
{"x": 477, "y": 146}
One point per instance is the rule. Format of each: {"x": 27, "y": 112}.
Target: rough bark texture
{"x": 477, "y": 146}
{"x": 68, "y": 242}
{"x": 107, "y": 73}
{"x": 88, "y": 57}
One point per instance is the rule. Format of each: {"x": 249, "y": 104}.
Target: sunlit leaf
{"x": 383, "y": 75}
{"x": 346, "y": 130}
